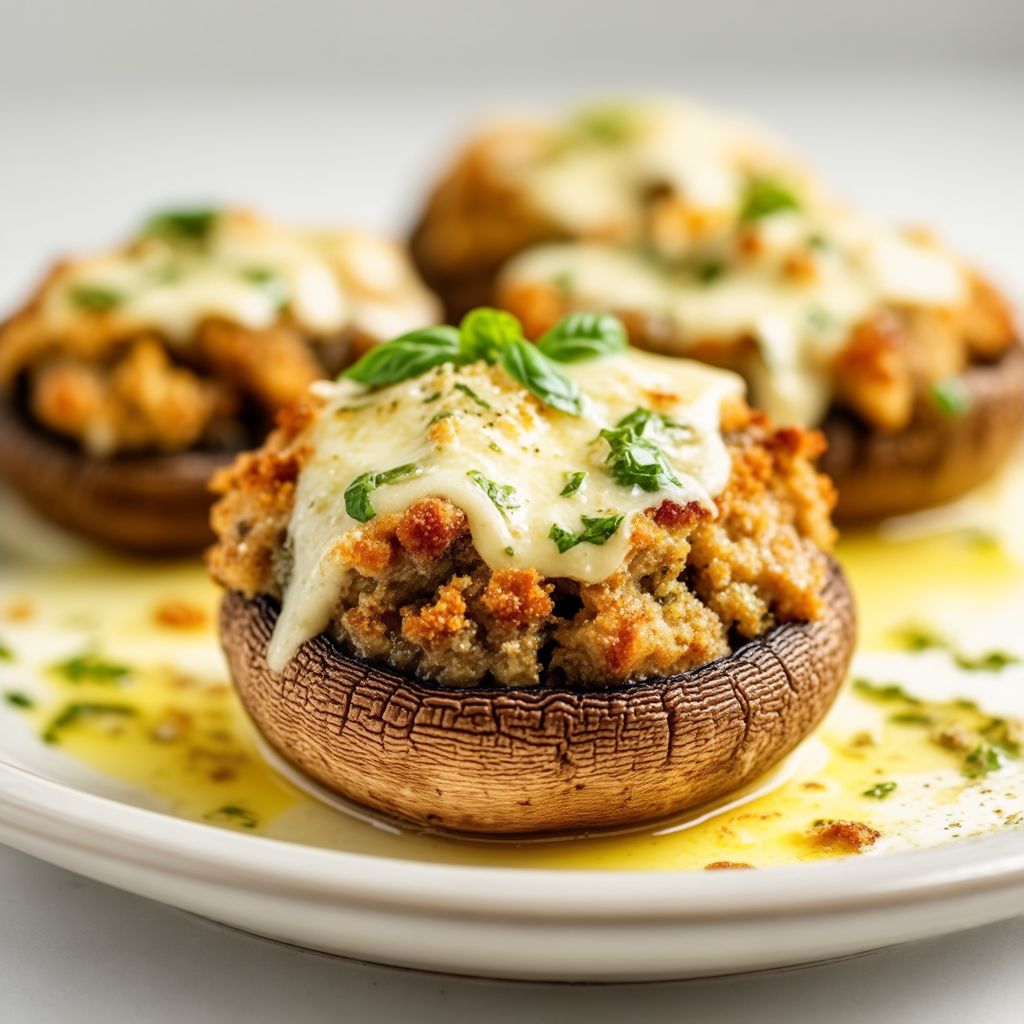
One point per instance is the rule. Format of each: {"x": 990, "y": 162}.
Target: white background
{"x": 341, "y": 111}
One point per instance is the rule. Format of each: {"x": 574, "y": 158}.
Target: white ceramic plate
{"x": 566, "y": 925}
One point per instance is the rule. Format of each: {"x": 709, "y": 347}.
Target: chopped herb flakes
{"x": 764, "y": 197}
{"x": 231, "y": 814}
{"x": 6, "y": 654}
{"x": 883, "y": 691}
{"x": 986, "y": 758}
{"x": 470, "y": 393}
{"x": 270, "y": 283}
{"x": 951, "y": 397}
{"x": 709, "y": 271}
{"x": 915, "y": 638}
{"x": 634, "y": 458}
{"x": 503, "y": 496}
{"x": 880, "y": 791}
{"x": 19, "y": 700}
{"x": 91, "y": 668}
{"x": 94, "y": 298}
{"x": 72, "y": 714}
{"x": 607, "y": 124}
{"x": 357, "y": 494}
{"x": 573, "y": 484}
{"x": 596, "y": 530}
{"x": 182, "y": 225}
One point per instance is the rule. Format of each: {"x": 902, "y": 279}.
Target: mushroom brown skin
{"x": 936, "y": 458}
{"x": 154, "y": 504}
{"x": 540, "y": 759}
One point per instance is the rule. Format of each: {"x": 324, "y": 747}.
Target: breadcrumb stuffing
{"x": 694, "y": 586}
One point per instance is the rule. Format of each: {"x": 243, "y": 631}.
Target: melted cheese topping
{"x": 464, "y": 427}
{"x": 248, "y": 271}
{"x": 794, "y": 281}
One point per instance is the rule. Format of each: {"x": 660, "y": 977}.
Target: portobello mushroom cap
{"x": 937, "y": 457}
{"x": 147, "y": 504}
{"x": 542, "y": 759}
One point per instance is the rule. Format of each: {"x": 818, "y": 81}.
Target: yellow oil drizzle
{"x": 187, "y": 746}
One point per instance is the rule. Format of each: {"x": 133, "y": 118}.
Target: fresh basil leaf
{"x": 357, "y": 494}
{"x": 584, "y": 336}
{"x": 95, "y": 298}
{"x": 538, "y": 374}
{"x": 764, "y": 197}
{"x": 182, "y": 225}
{"x": 573, "y": 484}
{"x": 408, "y": 356}
{"x": 485, "y": 332}
{"x": 596, "y": 530}
{"x": 503, "y": 496}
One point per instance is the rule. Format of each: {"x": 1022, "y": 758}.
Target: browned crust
{"x": 934, "y": 460}
{"x": 540, "y": 759}
{"x": 152, "y": 504}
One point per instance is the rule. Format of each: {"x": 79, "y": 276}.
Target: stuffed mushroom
{"x": 713, "y": 242}
{"x": 131, "y": 375}
{"x": 495, "y": 587}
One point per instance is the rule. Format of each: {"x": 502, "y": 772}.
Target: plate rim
{"x": 46, "y": 809}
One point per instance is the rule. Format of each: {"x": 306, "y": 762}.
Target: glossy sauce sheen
{"x": 847, "y": 264}
{"x": 246, "y": 271}
{"x": 187, "y": 749}
{"x": 457, "y": 426}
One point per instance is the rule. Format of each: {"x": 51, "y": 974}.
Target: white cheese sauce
{"x": 247, "y": 271}
{"x": 795, "y": 281}
{"x": 462, "y": 428}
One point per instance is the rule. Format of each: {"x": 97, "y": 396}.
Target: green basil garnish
{"x": 584, "y": 336}
{"x": 503, "y": 496}
{"x": 764, "y": 197}
{"x": 95, "y": 298}
{"x": 357, "y": 494}
{"x": 596, "y": 530}
{"x": 538, "y": 374}
{"x": 635, "y": 459}
{"x": 497, "y": 337}
{"x": 73, "y": 713}
{"x": 89, "y": 667}
{"x": 182, "y": 225}
{"x": 485, "y": 331}
{"x": 409, "y": 356}
{"x": 470, "y": 393}
{"x": 573, "y": 484}
{"x": 880, "y": 791}
{"x": 951, "y": 397}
